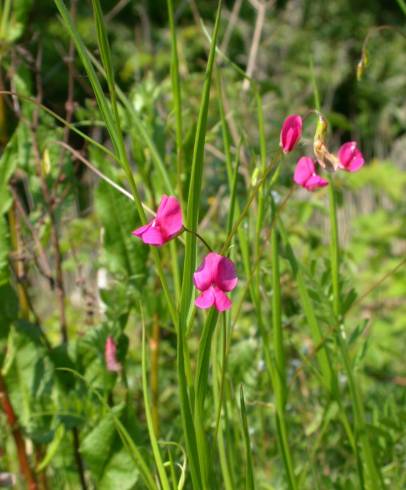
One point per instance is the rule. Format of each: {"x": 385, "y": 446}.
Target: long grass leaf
{"x": 249, "y": 476}
{"x": 152, "y": 436}
{"x": 192, "y": 217}
{"x": 177, "y": 99}
{"x": 280, "y": 386}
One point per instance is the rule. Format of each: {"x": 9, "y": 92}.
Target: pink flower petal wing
{"x": 162, "y": 205}
{"x": 169, "y": 216}
{"x": 356, "y": 163}
{"x": 315, "y": 182}
{"x": 153, "y": 236}
{"x": 205, "y": 274}
{"x": 206, "y": 299}
{"x": 304, "y": 170}
{"x": 226, "y": 276}
{"x": 221, "y": 301}
{"x": 142, "y": 229}
{"x": 351, "y": 158}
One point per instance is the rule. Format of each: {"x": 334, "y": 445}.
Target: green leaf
{"x": 119, "y": 472}
{"x": 29, "y": 377}
{"x": 52, "y": 449}
{"x": 97, "y": 447}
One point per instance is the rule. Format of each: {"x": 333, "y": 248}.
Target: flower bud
{"x": 291, "y": 133}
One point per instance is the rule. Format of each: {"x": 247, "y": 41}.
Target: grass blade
{"x": 177, "y": 99}
{"x": 145, "y": 390}
{"x": 280, "y": 386}
{"x": 192, "y": 217}
{"x": 249, "y": 477}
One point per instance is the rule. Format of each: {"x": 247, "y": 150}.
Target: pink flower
{"x": 350, "y": 157}
{"x": 166, "y": 225}
{"x": 215, "y": 276}
{"x": 110, "y": 355}
{"x": 305, "y": 175}
{"x": 291, "y": 132}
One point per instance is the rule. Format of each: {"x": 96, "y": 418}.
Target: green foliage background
{"x": 110, "y": 278}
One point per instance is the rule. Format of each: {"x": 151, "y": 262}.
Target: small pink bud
{"x": 215, "y": 276}
{"x": 110, "y": 355}
{"x": 350, "y": 157}
{"x": 166, "y": 225}
{"x": 305, "y": 175}
{"x": 291, "y": 132}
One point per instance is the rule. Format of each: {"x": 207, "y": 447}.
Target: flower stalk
{"x": 361, "y": 431}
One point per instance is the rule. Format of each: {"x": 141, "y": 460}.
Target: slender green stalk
{"x": 334, "y": 259}
{"x": 261, "y": 193}
{"x": 242, "y": 236}
{"x": 177, "y": 99}
{"x": 203, "y": 361}
{"x": 328, "y": 376}
{"x": 374, "y": 477}
{"x": 195, "y": 443}
{"x": 219, "y": 366}
{"x": 152, "y": 436}
{"x": 323, "y": 357}
{"x": 201, "y": 389}
{"x": 249, "y": 476}
{"x": 251, "y": 197}
{"x": 280, "y": 384}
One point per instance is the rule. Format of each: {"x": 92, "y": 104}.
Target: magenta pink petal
{"x": 142, "y": 229}
{"x": 351, "y": 158}
{"x": 226, "y": 275}
{"x": 315, "y": 182}
{"x": 153, "y": 236}
{"x": 206, "y": 299}
{"x": 221, "y": 301}
{"x": 356, "y": 163}
{"x": 304, "y": 170}
{"x": 291, "y": 132}
{"x": 207, "y": 271}
{"x": 169, "y": 216}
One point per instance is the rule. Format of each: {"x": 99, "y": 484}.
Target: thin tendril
{"x": 199, "y": 237}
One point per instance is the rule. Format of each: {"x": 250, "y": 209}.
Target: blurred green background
{"x": 105, "y": 269}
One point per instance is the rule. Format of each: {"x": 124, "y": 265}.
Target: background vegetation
{"x": 71, "y": 273}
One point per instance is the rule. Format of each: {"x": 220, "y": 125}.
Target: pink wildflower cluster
{"x": 216, "y": 275}
{"x": 349, "y": 157}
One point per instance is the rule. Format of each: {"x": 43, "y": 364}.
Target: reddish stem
{"x": 18, "y": 438}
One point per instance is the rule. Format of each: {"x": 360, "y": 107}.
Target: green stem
{"x": 197, "y": 235}
{"x": 177, "y": 99}
{"x": 219, "y": 368}
{"x": 279, "y": 377}
{"x": 374, "y": 477}
{"x": 149, "y": 416}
